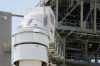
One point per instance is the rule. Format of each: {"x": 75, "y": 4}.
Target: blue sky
{"x": 17, "y": 7}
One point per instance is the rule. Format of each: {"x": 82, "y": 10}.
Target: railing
{"x": 98, "y": 26}
{"x": 76, "y": 23}
{"x": 73, "y": 23}
{"x": 80, "y": 57}
{"x": 89, "y": 25}
{"x": 74, "y": 56}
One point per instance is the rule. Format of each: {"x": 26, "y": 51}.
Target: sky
{"x": 16, "y": 7}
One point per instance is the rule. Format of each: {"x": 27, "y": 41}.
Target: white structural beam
{"x": 95, "y": 14}
{"x": 57, "y": 10}
{"x": 81, "y": 15}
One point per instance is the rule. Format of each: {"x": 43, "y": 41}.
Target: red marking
{"x": 52, "y": 19}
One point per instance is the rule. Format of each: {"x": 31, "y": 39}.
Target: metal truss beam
{"x": 70, "y": 12}
{"x": 88, "y": 16}
{"x": 75, "y": 49}
{"x": 16, "y": 15}
{"x": 69, "y": 33}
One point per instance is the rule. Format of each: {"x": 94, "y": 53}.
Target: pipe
{"x": 16, "y": 15}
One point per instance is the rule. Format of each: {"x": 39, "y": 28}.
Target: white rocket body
{"x": 31, "y": 40}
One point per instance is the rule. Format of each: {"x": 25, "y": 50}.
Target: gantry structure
{"x": 77, "y": 32}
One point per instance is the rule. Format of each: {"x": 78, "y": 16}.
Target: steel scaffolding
{"x": 77, "y": 31}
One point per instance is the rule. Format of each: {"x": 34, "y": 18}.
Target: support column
{"x": 81, "y": 15}
{"x": 95, "y": 14}
{"x": 57, "y": 10}
{"x": 71, "y": 3}
{"x": 64, "y": 50}
{"x": 86, "y": 50}
{"x": 96, "y": 59}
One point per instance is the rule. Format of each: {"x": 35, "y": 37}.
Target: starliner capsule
{"x": 31, "y": 40}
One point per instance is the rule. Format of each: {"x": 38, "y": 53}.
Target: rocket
{"x": 30, "y": 41}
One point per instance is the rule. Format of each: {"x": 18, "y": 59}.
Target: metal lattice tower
{"x": 78, "y": 30}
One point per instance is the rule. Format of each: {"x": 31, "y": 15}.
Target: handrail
{"x": 75, "y": 56}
